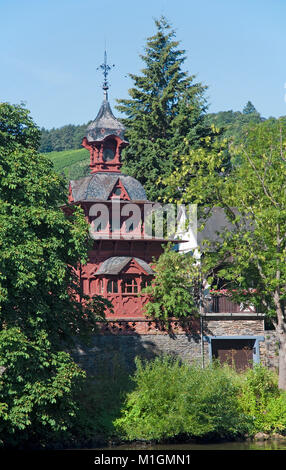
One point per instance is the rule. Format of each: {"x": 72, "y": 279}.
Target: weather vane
{"x": 105, "y": 68}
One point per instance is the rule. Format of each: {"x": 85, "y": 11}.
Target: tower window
{"x": 117, "y": 191}
{"x": 108, "y": 154}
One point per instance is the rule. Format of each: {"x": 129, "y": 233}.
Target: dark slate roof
{"x": 99, "y": 186}
{"x": 104, "y": 124}
{"x": 115, "y": 264}
{"x": 215, "y": 224}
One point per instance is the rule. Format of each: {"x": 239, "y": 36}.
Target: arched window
{"x": 100, "y": 286}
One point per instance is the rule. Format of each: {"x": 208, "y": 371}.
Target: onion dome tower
{"x": 105, "y": 135}
{"x": 105, "y": 140}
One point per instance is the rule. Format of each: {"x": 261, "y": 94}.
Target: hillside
{"x": 72, "y": 163}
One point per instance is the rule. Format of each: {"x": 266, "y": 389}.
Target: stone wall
{"x": 119, "y": 351}
{"x": 118, "y": 343}
{"x": 271, "y": 349}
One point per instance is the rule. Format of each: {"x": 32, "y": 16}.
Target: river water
{"x": 271, "y": 444}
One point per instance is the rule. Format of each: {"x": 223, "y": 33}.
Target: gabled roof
{"x": 116, "y": 264}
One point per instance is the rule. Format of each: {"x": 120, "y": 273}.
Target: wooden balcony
{"x": 224, "y": 304}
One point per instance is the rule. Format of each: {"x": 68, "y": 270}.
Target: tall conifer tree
{"x": 165, "y": 112}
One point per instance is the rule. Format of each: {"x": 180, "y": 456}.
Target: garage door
{"x": 237, "y": 353}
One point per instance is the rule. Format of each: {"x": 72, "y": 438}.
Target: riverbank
{"x": 261, "y": 441}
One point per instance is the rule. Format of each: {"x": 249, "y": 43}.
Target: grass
{"x": 73, "y": 164}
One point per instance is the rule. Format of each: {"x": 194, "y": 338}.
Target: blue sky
{"x": 50, "y": 51}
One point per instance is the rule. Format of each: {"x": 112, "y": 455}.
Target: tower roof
{"x": 105, "y": 124}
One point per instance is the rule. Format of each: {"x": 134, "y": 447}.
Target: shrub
{"x": 212, "y": 408}
{"x": 152, "y": 410}
{"x": 171, "y": 398}
{"x": 262, "y": 401}
{"x": 275, "y": 415}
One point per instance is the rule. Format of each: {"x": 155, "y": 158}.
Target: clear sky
{"x": 50, "y": 51}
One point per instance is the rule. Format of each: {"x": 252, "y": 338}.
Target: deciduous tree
{"x": 174, "y": 291}
{"x": 40, "y": 308}
{"x": 252, "y": 251}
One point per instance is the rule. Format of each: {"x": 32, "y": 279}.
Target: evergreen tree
{"x": 249, "y": 108}
{"x": 165, "y": 112}
{"x": 64, "y": 138}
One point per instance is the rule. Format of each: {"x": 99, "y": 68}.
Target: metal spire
{"x": 105, "y": 68}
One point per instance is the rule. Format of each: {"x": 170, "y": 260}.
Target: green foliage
{"x": 174, "y": 290}
{"x": 165, "y": 112}
{"x": 259, "y": 385}
{"x": 67, "y": 137}
{"x": 72, "y": 164}
{"x": 17, "y": 127}
{"x": 37, "y": 389}
{"x": 172, "y": 398}
{"x": 275, "y": 415}
{"x": 255, "y": 206}
{"x": 152, "y": 409}
{"x": 233, "y": 127}
{"x": 40, "y": 308}
{"x": 262, "y": 401}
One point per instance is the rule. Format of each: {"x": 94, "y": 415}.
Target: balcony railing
{"x": 224, "y": 304}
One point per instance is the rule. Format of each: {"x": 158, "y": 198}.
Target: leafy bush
{"x": 275, "y": 415}
{"x": 212, "y": 408}
{"x": 151, "y": 409}
{"x": 172, "y": 398}
{"x": 262, "y": 401}
{"x": 37, "y": 390}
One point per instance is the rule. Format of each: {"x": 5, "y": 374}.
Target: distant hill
{"x": 73, "y": 164}
{"x": 67, "y": 137}
{"x": 233, "y": 123}
{"x": 63, "y": 145}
